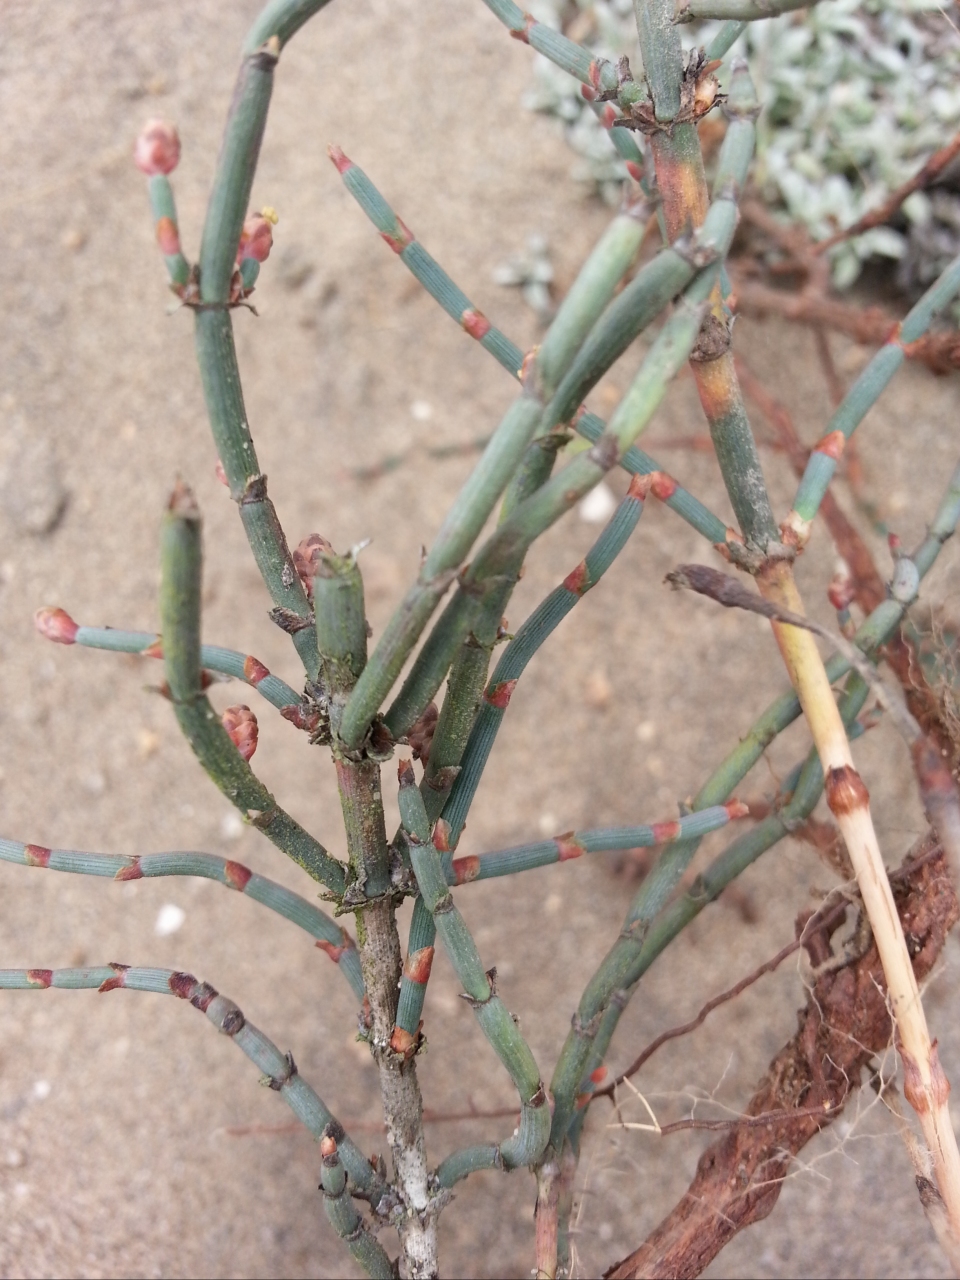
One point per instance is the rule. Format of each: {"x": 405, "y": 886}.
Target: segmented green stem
{"x": 180, "y": 621}
{"x": 623, "y": 965}
{"x": 279, "y": 1068}
{"x": 164, "y": 210}
{"x": 464, "y": 521}
{"x": 862, "y": 396}
{"x": 457, "y": 305}
{"x": 572, "y": 844}
{"x": 343, "y": 1216}
{"x": 341, "y": 629}
{"x": 331, "y": 938}
{"x": 724, "y": 40}
{"x": 498, "y": 1026}
{"x": 216, "y": 352}
{"x": 603, "y": 1004}
{"x": 542, "y": 509}
{"x": 535, "y": 631}
{"x": 564, "y": 53}
{"x": 736, "y": 10}
{"x": 227, "y": 662}
{"x": 282, "y": 19}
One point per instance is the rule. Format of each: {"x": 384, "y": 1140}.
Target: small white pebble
{"x": 14, "y": 1159}
{"x": 598, "y": 506}
{"x": 231, "y": 826}
{"x": 170, "y": 918}
{"x": 547, "y": 824}
{"x": 94, "y": 782}
{"x": 41, "y": 1089}
{"x": 21, "y": 1190}
{"x": 552, "y": 904}
{"x": 646, "y": 731}
{"x": 421, "y": 410}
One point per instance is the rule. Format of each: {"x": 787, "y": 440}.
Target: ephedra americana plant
{"x": 367, "y": 704}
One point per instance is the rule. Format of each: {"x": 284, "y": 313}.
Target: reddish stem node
{"x": 56, "y": 625}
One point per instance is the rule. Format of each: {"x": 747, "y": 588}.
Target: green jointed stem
{"x": 542, "y": 509}
{"x": 341, "y": 623}
{"x": 464, "y": 521}
{"x": 615, "y": 977}
{"x": 439, "y": 285}
{"x": 281, "y": 18}
{"x": 278, "y": 1067}
{"x": 344, "y": 1218}
{"x": 216, "y": 353}
{"x": 866, "y": 391}
{"x": 227, "y": 662}
{"x": 479, "y": 985}
{"x": 536, "y": 629}
{"x": 180, "y": 622}
{"x": 164, "y": 210}
{"x": 425, "y": 268}
{"x": 564, "y": 53}
{"x": 337, "y": 943}
{"x": 724, "y": 40}
{"x": 423, "y": 934}
{"x": 626, "y": 961}
{"x": 572, "y": 844}
{"x": 607, "y": 264}
{"x": 736, "y": 11}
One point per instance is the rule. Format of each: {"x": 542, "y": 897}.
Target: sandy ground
{"x": 118, "y": 1150}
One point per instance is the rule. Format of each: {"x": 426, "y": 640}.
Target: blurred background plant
{"x": 856, "y": 96}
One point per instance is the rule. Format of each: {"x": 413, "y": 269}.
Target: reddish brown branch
{"x": 871, "y": 326}
{"x": 925, "y": 177}
{"x": 843, "y": 1025}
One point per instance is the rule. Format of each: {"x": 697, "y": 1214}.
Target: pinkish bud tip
{"x": 342, "y": 162}
{"x": 241, "y": 726}
{"x": 256, "y": 238}
{"x": 598, "y": 1075}
{"x": 841, "y": 590}
{"x": 328, "y": 1146}
{"x": 56, "y": 625}
{"x": 157, "y": 149}
{"x": 610, "y": 116}
{"x": 737, "y": 809}
{"x": 635, "y": 170}
{"x": 588, "y": 93}
{"x": 221, "y": 475}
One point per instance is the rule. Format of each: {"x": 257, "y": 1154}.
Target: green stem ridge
{"x": 619, "y": 971}
{"x": 282, "y": 19}
{"x": 343, "y": 1215}
{"x": 331, "y": 938}
{"x": 581, "y": 63}
{"x": 164, "y": 210}
{"x": 526, "y": 1146}
{"x": 180, "y": 624}
{"x": 865, "y": 392}
{"x": 532, "y": 634}
{"x": 220, "y": 375}
{"x": 341, "y": 624}
{"x": 279, "y": 1068}
{"x": 572, "y": 844}
{"x": 537, "y": 513}
{"x": 227, "y": 662}
{"x": 736, "y": 11}
{"x": 216, "y": 352}
{"x": 440, "y": 286}
{"x": 724, "y": 40}
{"x": 462, "y": 525}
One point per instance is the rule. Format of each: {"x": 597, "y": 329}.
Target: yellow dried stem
{"x": 925, "y": 1086}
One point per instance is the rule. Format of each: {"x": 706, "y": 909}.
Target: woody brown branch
{"x": 843, "y": 1025}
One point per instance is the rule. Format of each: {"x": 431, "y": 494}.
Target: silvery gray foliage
{"x": 856, "y": 95}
